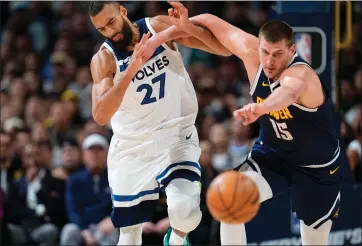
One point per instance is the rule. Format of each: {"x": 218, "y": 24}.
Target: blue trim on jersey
{"x": 184, "y": 163}
{"x": 128, "y": 198}
{"x": 181, "y": 174}
{"x": 158, "y": 51}
{"x": 128, "y": 216}
{"x": 143, "y": 29}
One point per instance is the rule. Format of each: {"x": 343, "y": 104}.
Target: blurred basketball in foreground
{"x": 233, "y": 198}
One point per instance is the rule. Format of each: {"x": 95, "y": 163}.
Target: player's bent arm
{"x": 202, "y": 38}
{"x": 240, "y": 43}
{"x": 106, "y": 97}
{"x": 292, "y": 87}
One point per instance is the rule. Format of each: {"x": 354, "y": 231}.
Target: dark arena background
{"x": 46, "y": 48}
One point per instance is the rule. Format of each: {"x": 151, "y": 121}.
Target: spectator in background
{"x": 71, "y": 160}
{"x": 30, "y": 201}
{"x": 88, "y": 199}
{"x": 35, "y": 110}
{"x": 221, "y": 160}
{"x": 22, "y": 138}
{"x": 10, "y": 163}
{"x": 240, "y": 142}
{"x": 354, "y": 150}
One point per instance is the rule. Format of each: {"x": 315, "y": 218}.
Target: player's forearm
{"x": 220, "y": 29}
{"x": 108, "y": 103}
{"x": 278, "y": 100}
{"x": 168, "y": 35}
{"x": 207, "y": 37}
{"x": 209, "y": 41}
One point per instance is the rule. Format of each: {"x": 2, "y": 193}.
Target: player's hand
{"x": 249, "y": 113}
{"x": 150, "y": 47}
{"x": 138, "y": 56}
{"x": 179, "y": 15}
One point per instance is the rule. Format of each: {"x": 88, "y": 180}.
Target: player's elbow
{"x": 101, "y": 119}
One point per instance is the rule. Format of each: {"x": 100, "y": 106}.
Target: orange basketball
{"x": 233, "y": 198}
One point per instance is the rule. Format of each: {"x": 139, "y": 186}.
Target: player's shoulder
{"x": 103, "y": 62}
{"x": 302, "y": 70}
{"x": 103, "y": 55}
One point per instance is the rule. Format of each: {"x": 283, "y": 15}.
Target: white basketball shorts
{"x": 139, "y": 170}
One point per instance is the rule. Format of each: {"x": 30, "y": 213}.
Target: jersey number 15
{"x": 149, "y": 90}
{"x": 281, "y": 130}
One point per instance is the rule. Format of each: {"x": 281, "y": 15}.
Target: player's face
{"x": 113, "y": 24}
{"x": 275, "y": 57}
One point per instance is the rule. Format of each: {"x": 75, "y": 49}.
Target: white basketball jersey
{"x": 160, "y": 95}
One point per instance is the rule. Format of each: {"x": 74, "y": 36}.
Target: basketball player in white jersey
{"x": 295, "y": 115}
{"x": 151, "y": 104}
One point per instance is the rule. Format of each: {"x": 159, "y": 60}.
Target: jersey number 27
{"x": 149, "y": 90}
{"x": 281, "y": 130}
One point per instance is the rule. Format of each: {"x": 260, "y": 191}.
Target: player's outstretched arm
{"x": 106, "y": 97}
{"x": 240, "y": 43}
{"x": 203, "y": 40}
{"x": 292, "y": 86}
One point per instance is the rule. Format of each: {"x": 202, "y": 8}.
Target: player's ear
{"x": 123, "y": 10}
{"x": 292, "y": 49}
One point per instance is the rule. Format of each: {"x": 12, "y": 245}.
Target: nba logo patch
{"x": 303, "y": 43}
{"x": 294, "y": 224}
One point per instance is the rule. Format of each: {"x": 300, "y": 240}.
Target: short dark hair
{"x": 276, "y": 30}
{"x": 95, "y": 7}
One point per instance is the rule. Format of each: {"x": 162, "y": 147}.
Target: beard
{"x": 127, "y": 39}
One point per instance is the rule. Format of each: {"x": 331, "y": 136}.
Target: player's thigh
{"x": 134, "y": 189}
{"x": 182, "y": 160}
{"x": 316, "y": 193}
{"x": 270, "y": 167}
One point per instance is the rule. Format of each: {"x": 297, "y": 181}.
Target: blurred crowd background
{"x": 53, "y": 174}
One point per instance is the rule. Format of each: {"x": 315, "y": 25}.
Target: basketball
{"x": 233, "y": 198}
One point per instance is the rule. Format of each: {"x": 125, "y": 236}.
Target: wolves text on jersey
{"x": 150, "y": 69}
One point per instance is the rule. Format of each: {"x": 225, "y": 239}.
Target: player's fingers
{"x": 177, "y": 5}
{"x": 170, "y": 12}
{"x": 144, "y": 38}
{"x": 246, "y": 122}
{"x": 238, "y": 114}
{"x": 174, "y": 4}
{"x": 135, "y": 48}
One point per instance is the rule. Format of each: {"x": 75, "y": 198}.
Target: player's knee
{"x": 265, "y": 191}
{"x": 130, "y": 235}
{"x": 183, "y": 200}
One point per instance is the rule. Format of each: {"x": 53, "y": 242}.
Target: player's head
{"x": 276, "y": 47}
{"x": 110, "y": 19}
